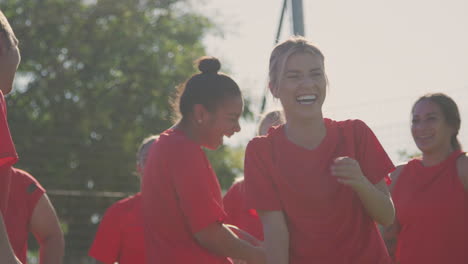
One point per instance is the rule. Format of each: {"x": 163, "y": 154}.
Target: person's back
{"x": 120, "y": 235}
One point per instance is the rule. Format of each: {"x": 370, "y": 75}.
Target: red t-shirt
{"x": 181, "y": 196}
{"x": 119, "y": 237}
{"x": 8, "y": 155}
{"x": 239, "y": 213}
{"x": 326, "y": 220}
{"x": 25, "y": 192}
{"x": 432, "y": 209}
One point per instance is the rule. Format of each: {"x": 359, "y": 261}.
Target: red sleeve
{"x": 197, "y": 188}
{"x": 374, "y": 161}
{"x": 106, "y": 244}
{"x": 261, "y": 191}
{"x": 8, "y": 156}
{"x": 30, "y": 186}
{"x": 232, "y": 204}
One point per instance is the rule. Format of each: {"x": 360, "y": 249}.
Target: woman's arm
{"x": 276, "y": 237}
{"x": 390, "y": 233}
{"x": 221, "y": 241}
{"x": 375, "y": 198}
{"x": 46, "y": 228}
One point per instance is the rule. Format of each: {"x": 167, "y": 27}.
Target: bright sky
{"x": 381, "y": 55}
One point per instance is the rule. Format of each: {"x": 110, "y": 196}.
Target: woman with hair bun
{"x": 182, "y": 206}
{"x": 431, "y": 192}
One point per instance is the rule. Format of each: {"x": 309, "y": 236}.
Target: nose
{"x": 309, "y": 82}
{"x": 237, "y": 127}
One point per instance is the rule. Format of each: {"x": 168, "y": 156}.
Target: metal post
{"x": 297, "y": 17}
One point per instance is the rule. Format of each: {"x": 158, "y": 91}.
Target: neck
{"x": 431, "y": 158}
{"x": 306, "y": 133}
{"x": 189, "y": 129}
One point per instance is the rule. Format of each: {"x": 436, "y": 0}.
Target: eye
{"x": 414, "y": 121}
{"x": 293, "y": 76}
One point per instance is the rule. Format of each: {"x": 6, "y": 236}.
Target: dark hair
{"x": 208, "y": 88}
{"x": 5, "y": 28}
{"x": 449, "y": 110}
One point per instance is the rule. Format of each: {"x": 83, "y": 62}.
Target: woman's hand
{"x": 348, "y": 172}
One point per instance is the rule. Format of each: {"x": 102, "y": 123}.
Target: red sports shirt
{"x": 181, "y": 196}
{"x": 8, "y": 155}
{"x": 326, "y": 220}
{"x": 25, "y": 192}
{"x": 119, "y": 237}
{"x": 239, "y": 213}
{"x": 432, "y": 209}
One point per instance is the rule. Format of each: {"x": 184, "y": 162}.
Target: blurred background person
{"x": 119, "y": 238}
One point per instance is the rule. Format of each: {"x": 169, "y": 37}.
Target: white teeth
{"x": 306, "y": 99}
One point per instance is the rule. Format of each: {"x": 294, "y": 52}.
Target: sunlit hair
{"x": 209, "y": 88}
{"x": 6, "y": 29}
{"x": 268, "y": 120}
{"x": 449, "y": 111}
{"x": 281, "y": 53}
{"x": 143, "y": 149}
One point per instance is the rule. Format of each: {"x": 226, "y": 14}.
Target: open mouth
{"x": 306, "y": 99}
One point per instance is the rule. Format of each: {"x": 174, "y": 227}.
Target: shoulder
{"x": 124, "y": 205}
{"x": 23, "y": 178}
{"x": 394, "y": 175}
{"x": 236, "y": 187}
{"x": 462, "y": 168}
{"x": 355, "y": 127}
{"x": 171, "y": 143}
{"x": 264, "y": 142}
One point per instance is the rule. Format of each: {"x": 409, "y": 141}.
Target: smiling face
{"x": 429, "y": 127}
{"x": 224, "y": 121}
{"x": 302, "y": 86}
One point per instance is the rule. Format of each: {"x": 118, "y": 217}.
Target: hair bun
{"x": 209, "y": 64}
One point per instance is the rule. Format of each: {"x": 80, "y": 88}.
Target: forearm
{"x": 276, "y": 245}
{"x": 390, "y": 237}
{"x": 221, "y": 241}
{"x": 378, "y": 204}
{"x": 276, "y": 234}
{"x": 52, "y": 250}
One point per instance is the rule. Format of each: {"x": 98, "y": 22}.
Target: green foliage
{"x": 96, "y": 78}
{"x": 406, "y": 155}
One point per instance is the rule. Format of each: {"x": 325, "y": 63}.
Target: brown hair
{"x": 449, "y": 110}
{"x": 6, "y": 29}
{"x": 208, "y": 88}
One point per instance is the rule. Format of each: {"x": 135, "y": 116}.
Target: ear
{"x": 273, "y": 90}
{"x": 200, "y": 113}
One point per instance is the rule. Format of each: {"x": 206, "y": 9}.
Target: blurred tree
{"x": 95, "y": 79}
